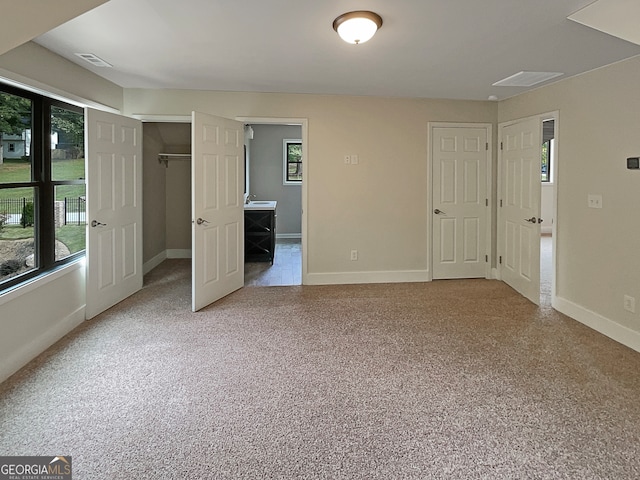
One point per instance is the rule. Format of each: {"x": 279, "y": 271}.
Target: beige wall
{"x": 154, "y": 223}
{"x": 178, "y": 201}
{"x": 597, "y": 249}
{"x": 378, "y": 207}
{"x": 35, "y": 66}
{"x": 23, "y": 20}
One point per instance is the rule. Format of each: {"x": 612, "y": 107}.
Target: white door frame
{"x": 489, "y": 217}
{"x": 304, "y": 123}
{"x": 553, "y": 115}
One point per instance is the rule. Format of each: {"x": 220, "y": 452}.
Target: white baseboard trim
{"x": 343, "y": 278}
{"x": 605, "y": 326}
{"x": 154, "y": 262}
{"x": 288, "y": 235}
{"x": 178, "y": 253}
{"x": 35, "y": 347}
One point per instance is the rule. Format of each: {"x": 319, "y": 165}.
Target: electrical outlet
{"x": 594, "y": 201}
{"x": 354, "y": 159}
{"x": 354, "y": 254}
{"x": 629, "y": 304}
{"x": 347, "y": 159}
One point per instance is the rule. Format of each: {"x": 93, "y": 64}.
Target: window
{"x": 42, "y": 193}
{"x": 548, "y": 132}
{"x": 547, "y": 155}
{"x": 12, "y": 147}
{"x": 292, "y": 161}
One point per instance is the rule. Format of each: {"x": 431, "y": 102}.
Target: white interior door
{"x": 114, "y": 209}
{"x": 217, "y": 188}
{"x": 519, "y": 209}
{"x": 460, "y": 202}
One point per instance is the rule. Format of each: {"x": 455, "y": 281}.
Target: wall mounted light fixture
{"x": 357, "y": 27}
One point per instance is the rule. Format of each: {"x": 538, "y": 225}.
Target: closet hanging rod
{"x": 165, "y": 157}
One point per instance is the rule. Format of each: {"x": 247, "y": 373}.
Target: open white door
{"x": 519, "y": 208}
{"x": 460, "y": 203}
{"x": 217, "y": 180}
{"x": 114, "y": 209}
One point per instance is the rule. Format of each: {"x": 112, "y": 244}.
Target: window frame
{"x": 285, "y": 161}
{"x": 43, "y": 187}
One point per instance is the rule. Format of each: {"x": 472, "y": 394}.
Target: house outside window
{"x": 42, "y": 190}
{"x": 12, "y": 147}
{"x": 292, "y": 161}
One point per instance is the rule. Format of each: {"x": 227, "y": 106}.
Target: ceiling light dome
{"x": 357, "y": 27}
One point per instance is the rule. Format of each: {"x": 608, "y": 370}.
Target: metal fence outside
{"x": 72, "y": 210}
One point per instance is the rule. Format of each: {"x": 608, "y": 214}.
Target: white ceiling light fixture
{"x": 357, "y": 27}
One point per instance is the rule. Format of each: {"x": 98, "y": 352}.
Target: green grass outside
{"x": 73, "y": 236}
{"x": 15, "y": 170}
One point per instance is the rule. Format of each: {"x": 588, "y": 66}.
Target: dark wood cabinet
{"x": 259, "y": 235}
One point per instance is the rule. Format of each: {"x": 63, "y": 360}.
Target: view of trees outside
{"x": 294, "y": 162}
{"x": 18, "y": 195}
{"x": 546, "y": 164}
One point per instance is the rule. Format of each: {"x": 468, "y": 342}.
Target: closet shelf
{"x": 165, "y": 157}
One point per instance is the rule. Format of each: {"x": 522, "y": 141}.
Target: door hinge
{"x": 486, "y": 202}
{"x": 500, "y": 202}
{"x": 500, "y": 259}
{"x": 486, "y": 146}
{"x": 501, "y": 148}
{"x": 486, "y": 258}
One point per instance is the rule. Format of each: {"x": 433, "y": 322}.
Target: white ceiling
{"x": 426, "y": 48}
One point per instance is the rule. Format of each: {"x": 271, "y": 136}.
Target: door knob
{"x": 437, "y": 211}
{"x": 200, "y": 221}
{"x": 95, "y": 223}
{"x": 531, "y": 220}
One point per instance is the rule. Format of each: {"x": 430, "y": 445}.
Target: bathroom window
{"x": 292, "y": 160}
{"x": 547, "y": 155}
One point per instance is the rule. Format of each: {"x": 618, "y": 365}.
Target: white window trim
{"x": 286, "y": 141}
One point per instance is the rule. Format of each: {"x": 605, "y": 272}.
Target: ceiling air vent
{"x": 94, "y": 60}
{"x": 526, "y": 79}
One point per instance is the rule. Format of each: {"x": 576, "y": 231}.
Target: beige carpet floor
{"x": 449, "y": 379}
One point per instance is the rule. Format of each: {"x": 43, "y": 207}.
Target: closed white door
{"x": 217, "y": 189}
{"x": 519, "y": 207}
{"x": 460, "y": 161}
{"x": 114, "y": 209}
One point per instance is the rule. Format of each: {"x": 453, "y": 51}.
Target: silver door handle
{"x": 439, "y": 212}
{"x": 95, "y": 223}
{"x": 531, "y": 220}
{"x": 200, "y": 221}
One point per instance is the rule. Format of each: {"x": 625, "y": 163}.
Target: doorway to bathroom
{"x": 275, "y": 168}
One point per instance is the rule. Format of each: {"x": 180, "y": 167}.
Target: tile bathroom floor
{"x": 286, "y": 268}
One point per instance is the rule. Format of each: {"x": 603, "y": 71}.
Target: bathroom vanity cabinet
{"x": 259, "y": 235}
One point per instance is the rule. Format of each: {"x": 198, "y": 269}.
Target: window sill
{"x": 41, "y": 280}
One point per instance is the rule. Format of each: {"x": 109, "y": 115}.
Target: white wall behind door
{"x": 546, "y": 207}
